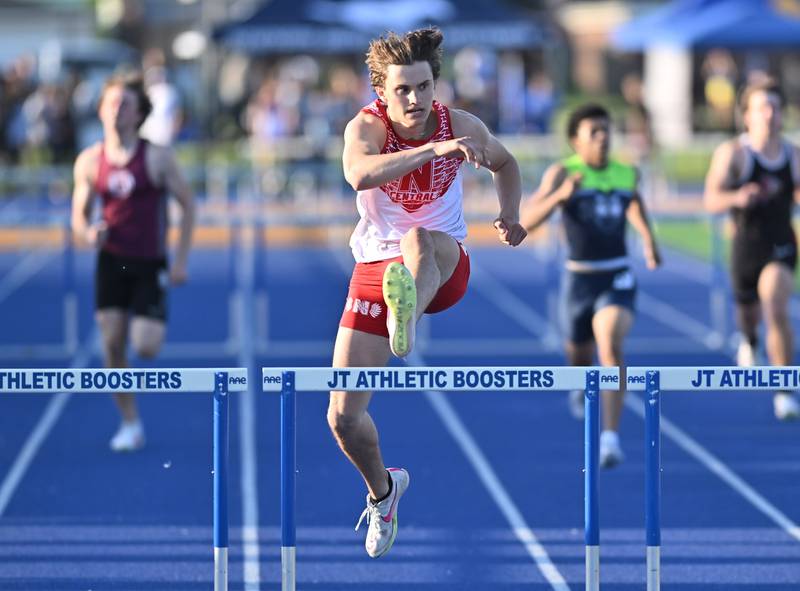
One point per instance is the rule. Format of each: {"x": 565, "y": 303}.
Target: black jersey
{"x": 770, "y": 218}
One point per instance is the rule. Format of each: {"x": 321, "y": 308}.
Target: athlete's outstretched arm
{"x": 796, "y": 173}
{"x": 176, "y": 185}
{"x": 366, "y": 168}
{"x": 508, "y": 186}
{"x": 493, "y": 155}
{"x": 638, "y": 218}
{"x": 718, "y": 195}
{"x": 554, "y": 190}
{"x": 83, "y": 198}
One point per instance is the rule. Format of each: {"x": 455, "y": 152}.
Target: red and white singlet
{"x": 428, "y": 197}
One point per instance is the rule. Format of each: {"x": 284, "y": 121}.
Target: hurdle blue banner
{"x": 717, "y": 378}
{"x": 118, "y": 380}
{"x": 451, "y": 379}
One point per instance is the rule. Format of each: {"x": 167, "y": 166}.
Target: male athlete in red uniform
{"x": 132, "y": 179}
{"x": 402, "y": 155}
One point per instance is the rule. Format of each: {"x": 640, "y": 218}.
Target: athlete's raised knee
{"x": 417, "y": 240}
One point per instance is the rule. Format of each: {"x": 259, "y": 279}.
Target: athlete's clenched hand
{"x": 464, "y": 147}
{"x": 510, "y": 232}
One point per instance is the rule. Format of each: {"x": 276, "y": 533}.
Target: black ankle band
{"x": 386, "y": 496}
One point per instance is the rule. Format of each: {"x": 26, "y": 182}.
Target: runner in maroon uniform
{"x": 757, "y": 177}
{"x": 402, "y": 154}
{"x": 132, "y": 179}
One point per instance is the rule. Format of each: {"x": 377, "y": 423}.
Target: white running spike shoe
{"x": 129, "y": 437}
{"x": 382, "y": 517}
{"x": 786, "y": 406}
{"x": 610, "y": 450}
{"x": 747, "y": 355}
{"x": 576, "y": 403}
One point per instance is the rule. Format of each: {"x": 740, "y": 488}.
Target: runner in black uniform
{"x": 756, "y": 176}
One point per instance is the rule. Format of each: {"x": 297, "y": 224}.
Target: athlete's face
{"x": 119, "y": 109}
{"x": 592, "y": 141}
{"x": 763, "y": 114}
{"x": 408, "y": 94}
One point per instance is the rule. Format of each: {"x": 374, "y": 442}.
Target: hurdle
{"x": 653, "y": 381}
{"x": 151, "y": 381}
{"x": 289, "y": 381}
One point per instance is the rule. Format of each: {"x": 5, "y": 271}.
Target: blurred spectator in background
{"x": 540, "y": 103}
{"x": 636, "y": 119}
{"x": 719, "y": 89}
{"x": 49, "y": 128}
{"x": 273, "y": 113}
{"x": 165, "y": 120}
{"x": 16, "y": 85}
{"x": 345, "y": 95}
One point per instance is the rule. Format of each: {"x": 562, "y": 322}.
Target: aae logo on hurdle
{"x": 435, "y": 378}
{"x": 717, "y": 378}
{"x": 118, "y": 380}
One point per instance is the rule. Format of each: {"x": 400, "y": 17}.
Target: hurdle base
{"x": 592, "y": 568}
{"x": 288, "y": 570}
{"x": 653, "y": 568}
{"x": 220, "y": 569}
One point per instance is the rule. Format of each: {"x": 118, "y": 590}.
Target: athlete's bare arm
{"x": 486, "y": 150}
{"x": 84, "y": 173}
{"x": 170, "y": 176}
{"x": 554, "y": 190}
{"x": 796, "y": 172}
{"x": 638, "y": 218}
{"x": 719, "y": 194}
{"x": 366, "y": 168}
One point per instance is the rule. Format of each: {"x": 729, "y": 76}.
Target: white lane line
{"x": 22, "y": 271}
{"x": 715, "y": 465}
{"x": 512, "y": 305}
{"x": 247, "y": 427}
{"x": 679, "y": 321}
{"x": 491, "y": 481}
{"x": 42, "y": 429}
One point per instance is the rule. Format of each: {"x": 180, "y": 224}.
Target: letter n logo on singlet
{"x": 414, "y": 189}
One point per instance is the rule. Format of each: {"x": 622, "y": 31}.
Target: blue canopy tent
{"x": 346, "y": 26}
{"x": 669, "y": 34}
{"x": 703, "y": 24}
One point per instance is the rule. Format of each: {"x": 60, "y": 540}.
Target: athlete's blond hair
{"x": 422, "y": 45}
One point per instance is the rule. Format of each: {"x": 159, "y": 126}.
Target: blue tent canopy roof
{"x": 341, "y": 26}
{"x": 714, "y": 23}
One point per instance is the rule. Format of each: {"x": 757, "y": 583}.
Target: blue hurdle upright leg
{"x": 221, "y": 481}
{"x": 288, "y": 467}
{"x": 652, "y": 456}
{"x": 591, "y": 443}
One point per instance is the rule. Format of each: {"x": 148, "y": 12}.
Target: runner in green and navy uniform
{"x": 597, "y": 273}
{"x": 597, "y": 195}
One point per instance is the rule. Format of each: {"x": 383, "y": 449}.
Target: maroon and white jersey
{"x": 133, "y": 207}
{"x": 428, "y": 197}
